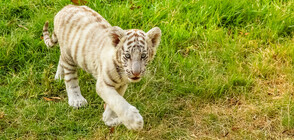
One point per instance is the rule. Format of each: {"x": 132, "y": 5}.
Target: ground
{"x": 223, "y": 70}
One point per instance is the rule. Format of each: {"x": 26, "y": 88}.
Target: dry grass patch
{"x": 266, "y": 113}
{"x": 238, "y": 119}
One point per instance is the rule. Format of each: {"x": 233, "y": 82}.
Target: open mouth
{"x": 135, "y": 78}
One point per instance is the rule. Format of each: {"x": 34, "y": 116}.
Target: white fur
{"x": 94, "y": 48}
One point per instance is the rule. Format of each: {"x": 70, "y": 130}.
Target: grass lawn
{"x": 223, "y": 70}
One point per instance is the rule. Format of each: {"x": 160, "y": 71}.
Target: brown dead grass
{"x": 234, "y": 121}
{"x": 256, "y": 116}
{"x": 278, "y": 81}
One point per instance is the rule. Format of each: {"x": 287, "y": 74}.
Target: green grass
{"x": 223, "y": 70}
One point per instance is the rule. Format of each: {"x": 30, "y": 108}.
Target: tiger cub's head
{"x": 134, "y": 49}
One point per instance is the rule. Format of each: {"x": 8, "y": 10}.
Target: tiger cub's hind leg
{"x": 75, "y": 98}
{"x": 110, "y": 118}
{"x": 60, "y": 71}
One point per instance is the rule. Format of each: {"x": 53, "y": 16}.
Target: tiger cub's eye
{"x": 143, "y": 55}
{"x": 128, "y": 56}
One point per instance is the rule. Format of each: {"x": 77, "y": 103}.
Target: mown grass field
{"x": 224, "y": 70}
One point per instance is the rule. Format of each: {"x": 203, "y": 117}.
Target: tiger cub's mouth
{"x": 135, "y": 79}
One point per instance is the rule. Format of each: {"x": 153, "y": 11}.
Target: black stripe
{"x": 69, "y": 62}
{"x": 129, "y": 33}
{"x": 68, "y": 73}
{"x": 117, "y": 69}
{"x": 89, "y": 38}
{"x": 103, "y": 26}
{"x": 65, "y": 20}
{"x": 129, "y": 38}
{"x": 68, "y": 56}
{"x": 118, "y": 56}
{"x": 74, "y": 55}
{"x": 74, "y": 87}
{"x": 142, "y": 34}
{"x": 69, "y": 69}
{"x": 74, "y": 78}
{"x": 130, "y": 42}
{"x": 107, "y": 84}
{"x": 54, "y": 37}
{"x": 142, "y": 42}
{"x": 70, "y": 40}
{"x": 77, "y": 45}
{"x": 93, "y": 13}
{"x": 143, "y": 38}
{"x": 69, "y": 25}
{"x": 129, "y": 47}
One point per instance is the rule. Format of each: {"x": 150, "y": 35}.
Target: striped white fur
{"x": 115, "y": 57}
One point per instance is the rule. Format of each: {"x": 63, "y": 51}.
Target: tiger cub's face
{"x": 135, "y": 49}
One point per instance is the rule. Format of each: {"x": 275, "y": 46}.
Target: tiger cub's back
{"x": 79, "y": 30}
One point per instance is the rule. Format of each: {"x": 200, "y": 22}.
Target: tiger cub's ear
{"x": 116, "y": 35}
{"x": 153, "y": 39}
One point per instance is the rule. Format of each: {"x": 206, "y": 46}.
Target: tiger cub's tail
{"x": 48, "y": 41}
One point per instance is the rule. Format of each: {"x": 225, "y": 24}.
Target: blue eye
{"x": 128, "y": 56}
{"x": 143, "y": 55}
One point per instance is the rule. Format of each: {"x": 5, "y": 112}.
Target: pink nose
{"x": 136, "y": 74}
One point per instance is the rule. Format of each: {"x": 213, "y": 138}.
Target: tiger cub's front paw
{"x": 132, "y": 119}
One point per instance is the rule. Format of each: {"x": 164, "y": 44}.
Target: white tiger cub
{"x": 115, "y": 57}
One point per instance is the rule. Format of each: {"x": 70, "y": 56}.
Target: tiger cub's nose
{"x": 136, "y": 74}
